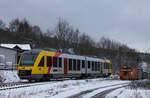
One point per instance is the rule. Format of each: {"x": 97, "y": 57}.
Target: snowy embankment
{"x": 137, "y": 89}
{"x": 8, "y": 76}
{"x": 129, "y": 93}
{"x": 58, "y": 89}
{"x": 98, "y": 91}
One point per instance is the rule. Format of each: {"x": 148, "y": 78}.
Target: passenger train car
{"x": 38, "y": 64}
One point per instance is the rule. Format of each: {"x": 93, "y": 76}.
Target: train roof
{"x": 33, "y": 51}
{"x": 95, "y": 59}
{"x": 72, "y": 56}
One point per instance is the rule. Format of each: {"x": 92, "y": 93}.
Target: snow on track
{"x": 7, "y": 76}
{"x": 100, "y": 90}
{"x": 71, "y": 91}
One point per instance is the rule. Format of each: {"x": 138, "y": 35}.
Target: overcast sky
{"x": 127, "y": 21}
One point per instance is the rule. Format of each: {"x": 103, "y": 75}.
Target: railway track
{"x": 2, "y": 85}
{"x": 104, "y": 93}
{"x": 14, "y": 85}
{"x": 101, "y": 94}
{"x": 7, "y": 86}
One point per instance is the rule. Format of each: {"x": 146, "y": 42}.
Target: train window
{"x": 108, "y": 65}
{"x": 60, "y": 62}
{"x": 98, "y": 66}
{"x": 70, "y": 64}
{"x": 95, "y": 66}
{"x": 54, "y": 61}
{"x": 74, "y": 65}
{"x": 89, "y": 64}
{"x": 49, "y": 60}
{"x": 104, "y": 65}
{"x": 92, "y": 66}
{"x": 101, "y": 65}
{"x": 42, "y": 62}
{"x": 83, "y": 64}
{"x": 78, "y": 64}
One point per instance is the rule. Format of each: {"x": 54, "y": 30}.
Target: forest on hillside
{"x": 64, "y": 37}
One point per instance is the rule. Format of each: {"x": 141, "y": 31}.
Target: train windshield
{"x": 28, "y": 60}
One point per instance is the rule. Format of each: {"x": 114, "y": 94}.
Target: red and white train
{"x": 41, "y": 64}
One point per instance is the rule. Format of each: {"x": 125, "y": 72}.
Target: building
{"x": 10, "y": 56}
{"x": 12, "y": 52}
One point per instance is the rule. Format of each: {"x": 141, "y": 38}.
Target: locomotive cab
{"x": 35, "y": 64}
{"x": 26, "y": 64}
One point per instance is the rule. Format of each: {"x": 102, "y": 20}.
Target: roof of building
{"x": 21, "y": 46}
{"x": 8, "y": 48}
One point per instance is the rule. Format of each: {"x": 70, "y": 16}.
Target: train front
{"x": 26, "y": 64}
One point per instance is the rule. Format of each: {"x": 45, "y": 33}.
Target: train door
{"x": 49, "y": 64}
{"x": 88, "y": 67}
{"x": 83, "y": 69}
{"x": 45, "y": 68}
{"x": 41, "y": 64}
{"x": 101, "y": 67}
{"x": 65, "y": 67}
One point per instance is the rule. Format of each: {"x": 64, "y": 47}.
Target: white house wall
{"x": 10, "y": 55}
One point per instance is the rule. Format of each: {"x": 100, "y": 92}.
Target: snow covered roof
{"x": 22, "y": 46}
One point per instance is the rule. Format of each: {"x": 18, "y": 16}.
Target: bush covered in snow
{"x": 142, "y": 84}
{"x": 115, "y": 77}
{"x": 8, "y": 76}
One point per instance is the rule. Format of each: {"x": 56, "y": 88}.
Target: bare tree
{"x": 37, "y": 31}
{"x": 86, "y": 45}
{"x": 2, "y": 25}
{"x": 66, "y": 36}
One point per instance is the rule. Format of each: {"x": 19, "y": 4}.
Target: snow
{"x": 129, "y": 93}
{"x": 58, "y": 89}
{"x": 22, "y": 46}
{"x": 89, "y": 95}
{"x": 145, "y": 66}
{"x": 116, "y": 77}
{"x": 8, "y": 76}
{"x": 62, "y": 89}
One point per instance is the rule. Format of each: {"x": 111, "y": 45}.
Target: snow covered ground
{"x": 8, "y": 76}
{"x": 129, "y": 93}
{"x": 100, "y": 90}
{"x": 62, "y": 89}
{"x": 58, "y": 89}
